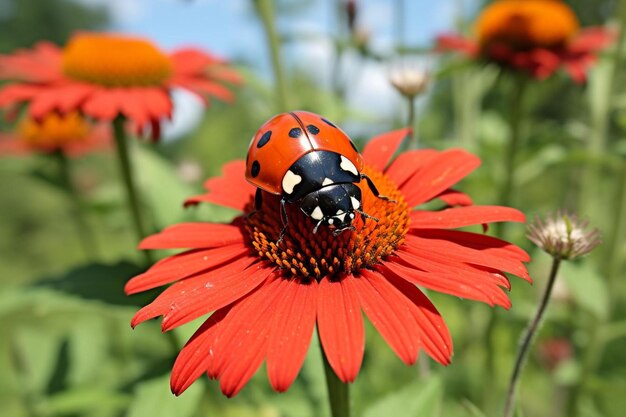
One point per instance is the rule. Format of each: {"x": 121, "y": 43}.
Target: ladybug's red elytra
{"x": 306, "y": 159}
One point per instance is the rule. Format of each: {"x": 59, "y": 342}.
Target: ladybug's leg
{"x": 284, "y": 218}
{"x": 374, "y": 190}
{"x": 258, "y": 202}
{"x": 364, "y": 215}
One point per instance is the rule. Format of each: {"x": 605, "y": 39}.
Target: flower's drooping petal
{"x": 408, "y": 164}
{"x": 197, "y": 355}
{"x": 453, "y": 218}
{"x": 242, "y": 343}
{"x": 193, "y": 235}
{"x": 391, "y": 313}
{"x": 590, "y": 40}
{"x": 340, "y": 326}
{"x": 191, "y": 298}
{"x": 380, "y": 149}
{"x": 434, "y": 336}
{"x": 464, "y": 284}
{"x": 451, "y": 42}
{"x": 291, "y": 330}
{"x": 206, "y": 89}
{"x": 39, "y": 65}
{"x": 189, "y": 61}
{"x": 428, "y": 242}
{"x": 439, "y": 174}
{"x": 62, "y": 98}
{"x": 183, "y": 265}
{"x": 229, "y": 190}
{"x": 453, "y": 198}
{"x": 105, "y": 105}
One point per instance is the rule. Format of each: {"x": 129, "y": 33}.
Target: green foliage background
{"x": 66, "y": 348}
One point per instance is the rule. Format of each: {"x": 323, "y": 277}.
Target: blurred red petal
{"x": 452, "y": 42}
{"x": 340, "y": 326}
{"x": 291, "y": 331}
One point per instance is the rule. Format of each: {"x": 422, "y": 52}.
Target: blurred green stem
{"x": 338, "y": 392}
{"x": 85, "y": 233}
{"x": 528, "y": 338}
{"x": 265, "y": 9}
{"x": 126, "y": 170}
{"x": 515, "y": 123}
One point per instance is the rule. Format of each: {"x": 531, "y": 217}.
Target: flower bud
{"x": 564, "y": 236}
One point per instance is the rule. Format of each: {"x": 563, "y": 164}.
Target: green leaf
{"x": 153, "y": 398}
{"x": 587, "y": 286}
{"x": 415, "y": 400}
{"x": 99, "y": 282}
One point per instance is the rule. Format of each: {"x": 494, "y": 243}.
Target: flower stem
{"x": 413, "y": 139}
{"x": 265, "y": 9}
{"x": 338, "y": 392}
{"x": 85, "y": 233}
{"x": 129, "y": 183}
{"x": 527, "y": 339}
{"x": 515, "y": 123}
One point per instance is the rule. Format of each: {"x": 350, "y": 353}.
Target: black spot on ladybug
{"x": 353, "y": 146}
{"x": 328, "y": 123}
{"x": 264, "y": 139}
{"x": 256, "y": 168}
{"x": 314, "y": 130}
{"x": 296, "y": 132}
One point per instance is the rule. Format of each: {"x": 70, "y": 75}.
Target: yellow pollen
{"x": 54, "y": 131}
{"x": 309, "y": 255}
{"x": 115, "y": 61}
{"x": 524, "y": 24}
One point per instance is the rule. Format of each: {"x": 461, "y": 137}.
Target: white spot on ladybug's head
{"x": 331, "y": 221}
{"x": 355, "y": 203}
{"x": 339, "y": 212}
{"x": 347, "y": 165}
{"x": 290, "y": 180}
{"x": 317, "y": 213}
{"x": 327, "y": 181}
{"x": 351, "y": 215}
{"x": 341, "y": 217}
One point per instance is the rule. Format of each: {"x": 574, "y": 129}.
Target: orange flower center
{"x": 54, "y": 131}
{"x": 316, "y": 255}
{"x": 115, "y": 61}
{"x": 524, "y": 24}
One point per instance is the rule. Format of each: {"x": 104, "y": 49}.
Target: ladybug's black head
{"x": 334, "y": 206}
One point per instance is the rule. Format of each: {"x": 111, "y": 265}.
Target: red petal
{"x": 340, "y": 326}
{"x": 454, "y": 284}
{"x": 229, "y": 190}
{"x": 434, "y": 335}
{"x": 464, "y": 216}
{"x": 390, "y": 312}
{"x": 439, "y": 174}
{"x": 196, "y": 356}
{"x": 243, "y": 341}
{"x": 432, "y": 242}
{"x": 193, "y": 297}
{"x": 183, "y": 265}
{"x": 205, "y": 88}
{"x": 409, "y": 163}
{"x": 380, "y": 149}
{"x": 455, "y": 198}
{"x": 451, "y": 42}
{"x": 103, "y": 104}
{"x": 194, "y": 235}
{"x": 591, "y": 39}
{"x": 290, "y": 336}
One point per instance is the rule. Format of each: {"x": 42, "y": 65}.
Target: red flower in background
{"x": 533, "y": 36}
{"x": 70, "y": 134}
{"x": 266, "y": 298}
{"x": 105, "y": 75}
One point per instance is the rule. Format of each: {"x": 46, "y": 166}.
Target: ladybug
{"x": 307, "y": 160}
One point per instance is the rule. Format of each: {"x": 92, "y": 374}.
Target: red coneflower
{"x": 70, "y": 134}
{"x": 534, "y": 36}
{"x": 106, "y": 75}
{"x": 267, "y": 297}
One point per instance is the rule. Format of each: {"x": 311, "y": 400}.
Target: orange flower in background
{"x": 268, "y": 296}
{"x": 105, "y": 75}
{"x": 70, "y": 134}
{"x": 533, "y": 36}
